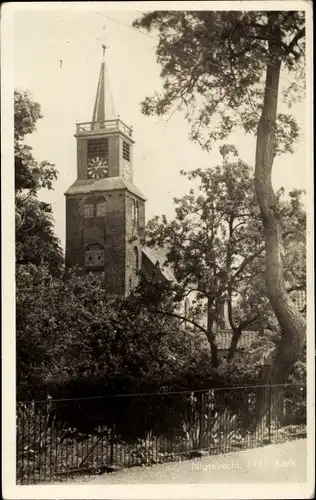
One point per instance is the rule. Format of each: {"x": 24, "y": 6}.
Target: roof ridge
{"x": 107, "y": 184}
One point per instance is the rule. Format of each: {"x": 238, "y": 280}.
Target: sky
{"x": 57, "y": 56}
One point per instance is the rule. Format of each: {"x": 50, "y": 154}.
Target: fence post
{"x": 112, "y": 445}
{"x": 269, "y": 409}
{"x": 282, "y": 408}
{"x": 202, "y": 422}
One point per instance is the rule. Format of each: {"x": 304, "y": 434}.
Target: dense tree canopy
{"x": 214, "y": 66}
{"x": 216, "y": 245}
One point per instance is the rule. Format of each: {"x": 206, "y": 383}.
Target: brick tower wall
{"x": 110, "y": 233}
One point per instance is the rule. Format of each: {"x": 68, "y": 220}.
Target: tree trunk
{"x": 237, "y": 331}
{"x": 291, "y": 322}
{"x": 234, "y": 343}
{"x": 210, "y": 333}
{"x": 269, "y": 406}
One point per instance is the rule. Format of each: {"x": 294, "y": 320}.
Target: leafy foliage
{"x": 223, "y": 68}
{"x": 216, "y": 244}
{"x": 221, "y": 428}
{"x": 73, "y": 336}
{"x": 213, "y": 67}
{"x": 76, "y": 340}
{"x": 216, "y": 232}
{"x": 29, "y": 174}
{"x": 36, "y": 242}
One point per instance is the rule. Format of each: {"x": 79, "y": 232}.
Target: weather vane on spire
{"x": 104, "y": 47}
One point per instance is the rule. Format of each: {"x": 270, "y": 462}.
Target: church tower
{"x": 105, "y": 212}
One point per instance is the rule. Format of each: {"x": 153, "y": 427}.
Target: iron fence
{"x": 57, "y": 438}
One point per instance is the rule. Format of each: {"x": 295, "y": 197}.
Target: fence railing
{"x": 56, "y": 438}
{"x": 104, "y": 126}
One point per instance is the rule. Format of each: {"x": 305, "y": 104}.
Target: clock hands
{"x": 97, "y": 168}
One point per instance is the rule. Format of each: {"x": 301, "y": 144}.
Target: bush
{"x": 76, "y": 340}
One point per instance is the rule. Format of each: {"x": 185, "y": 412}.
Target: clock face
{"x": 97, "y": 168}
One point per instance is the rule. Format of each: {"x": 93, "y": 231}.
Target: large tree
{"x": 223, "y": 68}
{"x": 216, "y": 248}
{"x": 36, "y": 242}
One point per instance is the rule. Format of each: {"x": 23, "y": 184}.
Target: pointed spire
{"x": 103, "y": 106}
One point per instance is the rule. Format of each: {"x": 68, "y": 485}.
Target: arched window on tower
{"x": 136, "y": 260}
{"x": 135, "y": 214}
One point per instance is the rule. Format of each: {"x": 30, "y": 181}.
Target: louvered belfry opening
{"x": 126, "y": 151}
{"x": 98, "y": 148}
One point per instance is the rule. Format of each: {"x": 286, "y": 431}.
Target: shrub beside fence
{"x": 57, "y": 438}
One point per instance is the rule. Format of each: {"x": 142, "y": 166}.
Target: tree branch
{"x": 300, "y": 34}
{"x": 230, "y": 309}
{"x": 245, "y": 263}
{"x": 209, "y": 335}
{"x": 179, "y": 316}
{"x": 247, "y": 322}
{"x": 186, "y": 294}
{"x": 239, "y": 224}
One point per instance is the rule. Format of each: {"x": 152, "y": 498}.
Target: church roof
{"x": 224, "y": 337}
{"x": 104, "y": 106}
{"x": 159, "y": 256}
{"x": 298, "y": 297}
{"x": 83, "y": 186}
